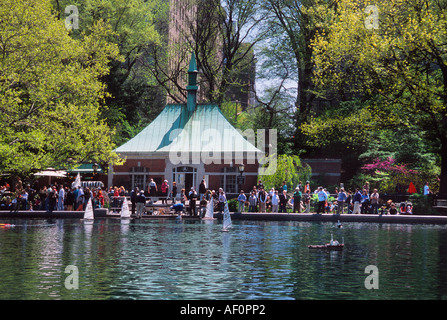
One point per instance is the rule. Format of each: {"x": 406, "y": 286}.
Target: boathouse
{"x": 188, "y": 143}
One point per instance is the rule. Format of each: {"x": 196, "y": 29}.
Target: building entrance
{"x": 185, "y": 177}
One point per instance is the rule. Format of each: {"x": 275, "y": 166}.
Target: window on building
{"x": 185, "y": 177}
{"x": 139, "y": 178}
{"x": 228, "y": 180}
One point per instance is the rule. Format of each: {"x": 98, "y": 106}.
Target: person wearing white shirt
{"x": 322, "y": 197}
{"x": 60, "y": 200}
{"x": 275, "y": 202}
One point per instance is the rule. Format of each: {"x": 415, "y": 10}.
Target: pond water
{"x": 164, "y": 259}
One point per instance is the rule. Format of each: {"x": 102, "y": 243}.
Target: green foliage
{"x": 233, "y": 205}
{"x": 402, "y": 62}
{"x": 287, "y": 168}
{"x": 422, "y": 204}
{"x": 50, "y": 90}
{"x": 134, "y": 100}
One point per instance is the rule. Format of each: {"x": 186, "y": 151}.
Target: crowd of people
{"x": 257, "y": 200}
{"x": 55, "y": 197}
{"x": 300, "y": 199}
{"x": 360, "y": 201}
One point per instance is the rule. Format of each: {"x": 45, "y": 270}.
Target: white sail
{"x": 77, "y": 182}
{"x": 125, "y": 212}
{"x": 209, "y": 215}
{"x": 88, "y": 215}
{"x": 226, "y": 218}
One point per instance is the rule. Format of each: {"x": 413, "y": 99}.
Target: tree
{"x": 396, "y": 50}
{"x": 222, "y": 36}
{"x": 287, "y": 54}
{"x": 50, "y": 91}
{"x": 135, "y": 98}
{"x": 287, "y": 168}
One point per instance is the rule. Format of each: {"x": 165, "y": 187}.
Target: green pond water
{"x": 164, "y": 259}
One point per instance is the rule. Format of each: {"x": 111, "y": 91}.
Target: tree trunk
{"x": 443, "y": 175}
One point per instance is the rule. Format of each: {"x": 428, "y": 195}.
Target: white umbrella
{"x": 51, "y": 173}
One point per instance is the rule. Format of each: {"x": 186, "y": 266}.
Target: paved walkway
{"x": 343, "y": 217}
{"x": 104, "y": 213}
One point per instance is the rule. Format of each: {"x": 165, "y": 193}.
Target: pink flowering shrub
{"x": 389, "y": 166}
{"x": 386, "y": 174}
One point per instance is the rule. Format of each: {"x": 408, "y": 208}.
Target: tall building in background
{"x": 187, "y": 31}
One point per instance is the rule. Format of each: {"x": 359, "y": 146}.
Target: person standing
{"x": 241, "y": 199}
{"x": 357, "y": 199}
{"x": 341, "y": 199}
{"x": 252, "y": 201}
{"x": 365, "y": 202}
{"x": 165, "y": 191}
{"x": 322, "y": 198}
{"x": 80, "y": 199}
{"x": 152, "y": 188}
{"x": 52, "y": 194}
{"x": 202, "y": 188}
{"x": 174, "y": 192}
{"x": 427, "y": 190}
{"x": 192, "y": 196}
{"x": 297, "y": 200}
{"x": 375, "y": 202}
{"x": 306, "y": 200}
{"x": 43, "y": 198}
{"x": 100, "y": 198}
{"x": 275, "y": 202}
{"x": 140, "y": 201}
{"x": 262, "y": 197}
{"x": 283, "y": 199}
{"x": 133, "y": 199}
{"x": 283, "y": 187}
{"x": 307, "y": 187}
{"x": 222, "y": 200}
{"x": 70, "y": 199}
{"x": 61, "y": 199}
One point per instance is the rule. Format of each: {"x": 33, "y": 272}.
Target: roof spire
{"x": 192, "y": 84}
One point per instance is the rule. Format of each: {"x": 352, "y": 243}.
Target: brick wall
{"x": 325, "y": 171}
{"x": 154, "y": 165}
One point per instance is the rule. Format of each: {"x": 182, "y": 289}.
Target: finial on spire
{"x": 192, "y": 84}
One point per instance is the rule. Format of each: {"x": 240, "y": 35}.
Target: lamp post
{"x": 95, "y": 169}
{"x": 240, "y": 178}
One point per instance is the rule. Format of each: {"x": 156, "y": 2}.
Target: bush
{"x": 233, "y": 205}
{"x": 422, "y": 204}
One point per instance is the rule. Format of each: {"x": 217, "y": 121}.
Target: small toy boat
{"x": 327, "y": 246}
{"x": 332, "y": 245}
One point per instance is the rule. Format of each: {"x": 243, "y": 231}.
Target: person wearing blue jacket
{"x": 357, "y": 199}
{"x": 341, "y": 199}
{"x": 365, "y": 201}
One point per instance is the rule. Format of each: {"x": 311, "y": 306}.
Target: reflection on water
{"x": 195, "y": 260}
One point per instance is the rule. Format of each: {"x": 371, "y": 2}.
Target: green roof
{"x": 206, "y": 129}
{"x": 156, "y": 135}
{"x": 85, "y": 168}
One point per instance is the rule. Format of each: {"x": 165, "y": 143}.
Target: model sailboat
{"x": 209, "y": 215}
{"x": 88, "y": 214}
{"x": 77, "y": 182}
{"x": 125, "y": 212}
{"x": 226, "y": 218}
